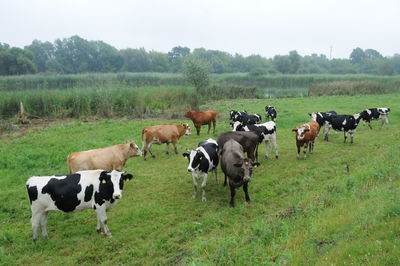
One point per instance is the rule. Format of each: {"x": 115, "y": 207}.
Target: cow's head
{"x": 232, "y": 114}
{"x": 357, "y": 117}
{"x": 301, "y": 131}
{"x": 134, "y": 150}
{"x": 258, "y": 117}
{"x": 112, "y": 184}
{"x": 246, "y": 166}
{"x": 195, "y": 157}
{"x": 237, "y": 126}
{"x": 188, "y": 114}
{"x": 188, "y": 131}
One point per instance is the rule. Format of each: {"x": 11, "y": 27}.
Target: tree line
{"x": 76, "y": 55}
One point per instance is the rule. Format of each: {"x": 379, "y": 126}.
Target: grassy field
{"x": 303, "y": 212}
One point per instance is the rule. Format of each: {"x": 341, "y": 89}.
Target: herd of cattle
{"x": 96, "y": 179}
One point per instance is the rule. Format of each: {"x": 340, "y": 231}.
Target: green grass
{"x": 302, "y": 212}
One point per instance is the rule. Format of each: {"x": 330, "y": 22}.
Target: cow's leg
{"x": 232, "y": 202}
{"x": 273, "y": 140}
{"x": 214, "y": 122}
{"x": 194, "y": 177}
{"x": 351, "y": 136}
{"x": 312, "y": 143}
{"x": 385, "y": 120}
{"x": 246, "y": 192}
{"x": 175, "y": 148}
{"x": 167, "y": 149}
{"x": 369, "y": 124}
{"x": 102, "y": 217}
{"x": 36, "y": 216}
{"x": 305, "y": 150}
{"x": 98, "y": 226}
{"x": 225, "y": 181}
{"x": 198, "y": 127}
{"x": 203, "y": 187}
{"x": 216, "y": 176}
{"x": 345, "y": 136}
{"x": 267, "y": 145}
{"x": 43, "y": 223}
{"x": 209, "y": 127}
{"x": 326, "y": 133}
{"x": 298, "y": 151}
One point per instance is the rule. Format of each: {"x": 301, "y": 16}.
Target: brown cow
{"x": 305, "y": 136}
{"x": 108, "y": 158}
{"x": 159, "y": 134}
{"x": 202, "y": 118}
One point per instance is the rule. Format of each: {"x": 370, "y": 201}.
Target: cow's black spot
{"x": 64, "y": 192}
{"x": 121, "y": 184}
{"x": 88, "y": 193}
{"x": 106, "y": 189}
{"x": 32, "y": 193}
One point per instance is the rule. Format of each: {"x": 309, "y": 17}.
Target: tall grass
{"x": 134, "y": 80}
{"x": 125, "y": 102}
{"x": 354, "y": 87}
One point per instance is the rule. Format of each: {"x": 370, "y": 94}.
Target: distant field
{"x": 302, "y": 212}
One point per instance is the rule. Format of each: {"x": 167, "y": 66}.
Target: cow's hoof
{"x": 248, "y": 201}
{"x": 34, "y": 240}
{"x": 109, "y": 235}
{"x": 153, "y": 156}
{"x": 231, "y": 205}
{"x": 203, "y": 199}
{"x": 276, "y": 157}
{"x": 266, "y": 157}
{"x": 144, "y": 159}
{"x": 98, "y": 230}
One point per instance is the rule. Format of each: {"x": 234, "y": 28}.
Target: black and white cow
{"x": 244, "y": 117}
{"x": 345, "y": 123}
{"x": 375, "y": 114}
{"x": 322, "y": 119}
{"x": 266, "y": 132}
{"x": 270, "y": 112}
{"x": 234, "y": 115}
{"x": 202, "y": 160}
{"x": 92, "y": 189}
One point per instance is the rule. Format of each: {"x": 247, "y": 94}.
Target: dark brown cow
{"x": 305, "y": 136}
{"x": 202, "y": 118}
{"x": 248, "y": 140}
{"x": 167, "y": 133}
{"x": 237, "y": 168}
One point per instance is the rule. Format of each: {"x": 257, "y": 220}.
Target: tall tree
{"x": 196, "y": 71}
{"x": 42, "y": 52}
{"x": 175, "y": 57}
{"x": 357, "y": 56}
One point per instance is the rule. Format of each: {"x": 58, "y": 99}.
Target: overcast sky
{"x": 267, "y": 28}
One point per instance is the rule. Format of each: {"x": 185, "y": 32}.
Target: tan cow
{"x": 160, "y": 134}
{"x": 108, "y": 158}
{"x": 305, "y": 136}
{"x": 200, "y": 118}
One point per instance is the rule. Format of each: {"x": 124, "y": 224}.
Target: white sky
{"x": 267, "y": 28}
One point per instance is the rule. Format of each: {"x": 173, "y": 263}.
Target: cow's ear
{"x": 309, "y": 114}
{"x": 185, "y": 154}
{"x": 132, "y": 145}
{"x": 306, "y": 129}
{"x": 126, "y": 177}
{"x": 256, "y": 164}
{"x": 294, "y": 129}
